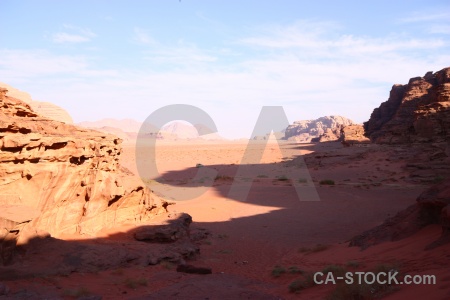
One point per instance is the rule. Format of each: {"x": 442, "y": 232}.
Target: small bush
{"x": 352, "y": 264}
{"x": 327, "y": 182}
{"x": 282, "y": 178}
{"x": 223, "y": 177}
{"x": 438, "y": 179}
{"x": 294, "y": 270}
{"x": 301, "y": 284}
{"x": 77, "y": 293}
{"x": 277, "y": 271}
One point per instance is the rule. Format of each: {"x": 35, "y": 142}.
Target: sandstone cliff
{"x": 415, "y": 112}
{"x": 322, "y": 129}
{"x": 58, "y": 178}
{"x": 46, "y": 109}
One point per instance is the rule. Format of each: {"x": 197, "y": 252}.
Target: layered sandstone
{"x": 322, "y": 129}
{"x": 58, "y": 178}
{"x": 415, "y": 112}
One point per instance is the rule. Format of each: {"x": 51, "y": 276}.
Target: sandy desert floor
{"x": 262, "y": 243}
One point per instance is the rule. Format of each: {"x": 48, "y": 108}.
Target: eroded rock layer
{"x": 58, "y": 178}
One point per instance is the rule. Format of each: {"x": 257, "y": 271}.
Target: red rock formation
{"x": 322, "y": 129}
{"x": 353, "y": 134}
{"x": 58, "y": 178}
{"x": 432, "y": 207}
{"x": 416, "y": 112}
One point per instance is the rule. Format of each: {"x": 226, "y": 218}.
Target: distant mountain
{"x": 45, "y": 109}
{"x": 127, "y": 129}
{"x": 126, "y": 125}
{"x": 321, "y": 129}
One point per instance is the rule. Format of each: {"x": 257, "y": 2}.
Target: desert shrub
{"x": 352, "y": 264}
{"x": 294, "y": 270}
{"x": 277, "y": 271}
{"x": 282, "y": 178}
{"x": 223, "y": 177}
{"x": 77, "y": 293}
{"x": 300, "y": 284}
{"x": 327, "y": 182}
{"x": 438, "y": 179}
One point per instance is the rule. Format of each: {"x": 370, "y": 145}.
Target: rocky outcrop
{"x": 416, "y": 112}
{"x": 353, "y": 135}
{"x": 45, "y": 109}
{"x": 432, "y": 207}
{"x": 60, "y": 179}
{"x": 167, "y": 233}
{"x": 322, "y": 129}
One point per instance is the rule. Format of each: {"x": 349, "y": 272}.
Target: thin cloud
{"x": 439, "y": 29}
{"x": 143, "y": 37}
{"x": 425, "y": 17}
{"x": 73, "y": 34}
{"x": 319, "y": 40}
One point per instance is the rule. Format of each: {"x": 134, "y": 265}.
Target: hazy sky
{"x": 125, "y": 59}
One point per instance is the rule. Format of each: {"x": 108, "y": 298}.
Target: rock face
{"x": 353, "y": 134}
{"x": 416, "y": 112}
{"x": 324, "y": 128}
{"x": 58, "y": 178}
{"x": 432, "y": 207}
{"x": 46, "y": 109}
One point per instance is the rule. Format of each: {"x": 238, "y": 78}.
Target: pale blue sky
{"x": 120, "y": 59}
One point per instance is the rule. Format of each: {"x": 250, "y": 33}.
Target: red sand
{"x": 250, "y": 238}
